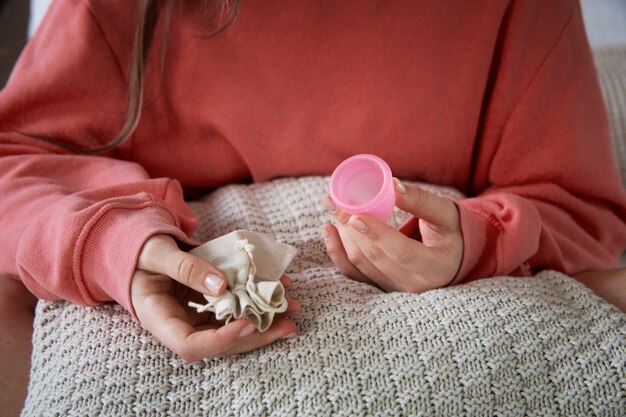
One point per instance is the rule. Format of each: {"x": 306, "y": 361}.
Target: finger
{"x": 223, "y": 341}
{"x": 436, "y": 210}
{"x": 340, "y": 215}
{"x": 338, "y": 255}
{"x": 286, "y": 281}
{"x": 409, "y": 264}
{"x": 246, "y": 337}
{"x": 161, "y": 255}
{"x": 361, "y": 261}
{"x": 393, "y": 276}
{"x": 162, "y": 315}
{"x": 285, "y": 330}
{"x": 395, "y": 244}
{"x": 280, "y": 329}
{"x": 190, "y": 343}
{"x": 293, "y": 307}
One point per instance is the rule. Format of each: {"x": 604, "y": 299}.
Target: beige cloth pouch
{"x": 253, "y": 264}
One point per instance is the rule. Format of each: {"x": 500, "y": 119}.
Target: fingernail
{"x": 358, "y": 224}
{"x": 324, "y": 232}
{"x": 329, "y": 204}
{"x": 248, "y": 330}
{"x": 290, "y": 335}
{"x": 401, "y": 188}
{"x": 213, "y": 283}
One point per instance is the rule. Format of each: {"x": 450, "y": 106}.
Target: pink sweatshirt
{"x": 499, "y": 99}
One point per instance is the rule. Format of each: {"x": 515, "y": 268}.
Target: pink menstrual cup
{"x": 364, "y": 184}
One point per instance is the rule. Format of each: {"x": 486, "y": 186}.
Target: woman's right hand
{"x": 166, "y": 279}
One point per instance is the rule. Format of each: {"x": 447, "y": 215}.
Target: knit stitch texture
{"x": 504, "y": 346}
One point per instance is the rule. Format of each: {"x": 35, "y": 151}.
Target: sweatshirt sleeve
{"x": 71, "y": 225}
{"x": 545, "y": 189}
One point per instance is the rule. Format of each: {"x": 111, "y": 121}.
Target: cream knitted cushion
{"x": 502, "y": 346}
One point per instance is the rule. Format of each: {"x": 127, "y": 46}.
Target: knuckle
{"x": 188, "y": 357}
{"x": 355, "y": 255}
{"x": 152, "y": 252}
{"x": 222, "y": 348}
{"x": 186, "y": 268}
{"x": 187, "y": 353}
{"x": 342, "y": 217}
{"x": 405, "y": 257}
{"x": 222, "y": 351}
{"x": 373, "y": 253}
{"x": 421, "y": 198}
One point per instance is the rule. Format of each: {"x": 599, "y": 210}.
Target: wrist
{"x": 109, "y": 249}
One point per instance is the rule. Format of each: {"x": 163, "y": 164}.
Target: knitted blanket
{"x": 506, "y": 346}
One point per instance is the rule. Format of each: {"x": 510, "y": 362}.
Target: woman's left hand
{"x": 369, "y": 250}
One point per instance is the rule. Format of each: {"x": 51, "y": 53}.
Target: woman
{"x": 499, "y": 101}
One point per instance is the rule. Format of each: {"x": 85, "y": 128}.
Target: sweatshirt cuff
{"x": 108, "y": 258}
{"x": 480, "y": 243}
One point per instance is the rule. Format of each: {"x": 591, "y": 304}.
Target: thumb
{"x": 437, "y": 211}
{"x": 161, "y": 255}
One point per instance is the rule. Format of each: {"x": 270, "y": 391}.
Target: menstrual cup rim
{"x": 385, "y": 189}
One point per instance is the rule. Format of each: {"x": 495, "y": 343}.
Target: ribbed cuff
{"x": 107, "y": 260}
{"x": 480, "y": 243}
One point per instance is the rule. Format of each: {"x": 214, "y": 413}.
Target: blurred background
{"x": 13, "y": 33}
